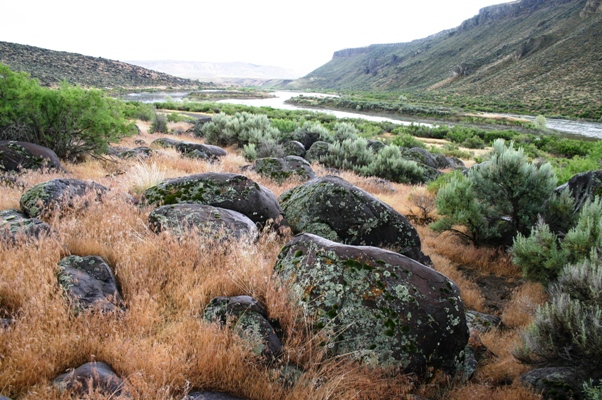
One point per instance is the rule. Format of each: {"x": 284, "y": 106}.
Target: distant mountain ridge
{"x": 206, "y": 71}
{"x": 51, "y": 67}
{"x": 533, "y": 51}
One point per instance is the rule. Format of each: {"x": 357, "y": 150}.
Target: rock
{"x": 15, "y": 225}
{"x": 307, "y": 139}
{"x": 249, "y": 320}
{"x": 376, "y": 145}
{"x": 294, "y": 148}
{"x": 583, "y": 186}
{"x": 204, "y": 395}
{"x": 210, "y": 221}
{"x": 376, "y": 305}
{"x": 421, "y": 156}
{"x": 58, "y": 195}
{"x": 97, "y": 376}
{"x": 4, "y": 398}
{"x": 556, "y": 382}
{"x": 5, "y": 323}
{"x": 165, "y": 142}
{"x": 16, "y": 156}
{"x": 316, "y": 151}
{"x": 280, "y": 169}
{"x": 482, "y": 322}
{"x": 334, "y": 209}
{"x": 232, "y": 191}
{"x": 202, "y": 151}
{"x": 90, "y": 283}
{"x": 139, "y": 142}
{"x": 137, "y": 152}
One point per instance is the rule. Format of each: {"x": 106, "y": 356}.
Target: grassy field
{"x": 163, "y": 348}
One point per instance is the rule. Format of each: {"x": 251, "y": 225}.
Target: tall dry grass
{"x": 161, "y": 345}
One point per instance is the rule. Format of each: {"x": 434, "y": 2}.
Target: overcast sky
{"x": 299, "y": 35}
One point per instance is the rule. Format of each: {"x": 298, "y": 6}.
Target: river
{"x": 579, "y": 128}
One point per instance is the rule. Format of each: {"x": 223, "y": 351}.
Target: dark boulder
{"x": 165, "y": 142}
{"x": 15, "y": 225}
{"x": 421, "y": 156}
{"x": 280, "y": 169}
{"x": 307, "y": 139}
{"x": 556, "y": 382}
{"x": 376, "y": 305}
{"x": 335, "y": 209}
{"x": 97, "y": 376}
{"x": 90, "y": 283}
{"x": 140, "y": 152}
{"x": 215, "y": 222}
{"x": 249, "y": 319}
{"x": 16, "y": 156}
{"x": 58, "y": 195}
{"x": 204, "y": 395}
{"x": 316, "y": 151}
{"x": 482, "y": 322}
{"x": 294, "y": 148}
{"x": 202, "y": 151}
{"x": 232, "y": 191}
{"x": 583, "y": 187}
{"x": 376, "y": 145}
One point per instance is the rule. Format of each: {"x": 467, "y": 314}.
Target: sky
{"x": 297, "y": 35}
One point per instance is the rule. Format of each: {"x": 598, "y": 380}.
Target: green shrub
{"x": 409, "y": 141}
{"x": 389, "y": 164}
{"x": 343, "y": 131}
{"x": 249, "y": 152}
{"x": 138, "y": 110}
{"x": 70, "y": 120}
{"x": 350, "y": 154}
{"x": 159, "y": 124}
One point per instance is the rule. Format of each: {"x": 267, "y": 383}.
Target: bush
{"x": 343, "y": 131}
{"x": 351, "y": 154}
{"x": 389, "y": 164}
{"x": 409, "y": 141}
{"x": 242, "y": 128}
{"x": 499, "y": 198}
{"x": 69, "y": 120}
{"x": 159, "y": 124}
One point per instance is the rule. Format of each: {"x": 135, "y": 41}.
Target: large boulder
{"x": 335, "y": 209}
{"x": 57, "y": 195}
{"x": 316, "y": 151}
{"x": 15, "y": 225}
{"x": 583, "y": 186}
{"x": 165, "y": 142}
{"x": 249, "y": 319}
{"x": 205, "y": 395}
{"x": 97, "y": 376}
{"x": 232, "y": 191}
{"x": 203, "y": 151}
{"x": 376, "y": 305}
{"x": 90, "y": 283}
{"x": 215, "y": 222}
{"x": 15, "y": 156}
{"x": 280, "y": 169}
{"x": 556, "y": 383}
{"x": 294, "y": 148}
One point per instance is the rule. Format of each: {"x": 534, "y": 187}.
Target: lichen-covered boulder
{"x": 96, "y": 376}
{"x": 280, "y": 169}
{"x": 89, "y": 283}
{"x": 317, "y": 150}
{"x": 556, "y": 382}
{"x": 165, "y": 142}
{"x": 306, "y": 138}
{"x": 140, "y": 152}
{"x": 202, "y": 151}
{"x": 58, "y": 195}
{"x": 294, "y": 148}
{"x": 376, "y": 305}
{"x": 15, "y": 225}
{"x": 205, "y": 395}
{"x": 583, "y": 187}
{"x": 421, "y": 156}
{"x": 232, "y": 191}
{"x": 16, "y": 156}
{"x": 335, "y": 209}
{"x": 213, "y": 222}
{"x": 249, "y": 320}
{"x": 376, "y": 145}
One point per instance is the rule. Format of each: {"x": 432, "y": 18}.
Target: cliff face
{"x": 525, "y": 51}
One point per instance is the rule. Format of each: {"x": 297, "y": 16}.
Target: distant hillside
{"x": 534, "y": 51}
{"x": 51, "y": 67}
{"x": 216, "y": 72}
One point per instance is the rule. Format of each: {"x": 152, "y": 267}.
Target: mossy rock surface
{"x": 249, "y": 319}
{"x": 206, "y": 395}
{"x": 58, "y": 195}
{"x": 97, "y": 376}
{"x": 16, "y": 156}
{"x": 375, "y": 305}
{"x": 90, "y": 283}
{"x": 557, "y": 383}
{"x": 208, "y": 221}
{"x": 317, "y": 150}
{"x": 202, "y": 151}
{"x": 281, "y": 169}
{"x": 14, "y": 225}
{"x": 165, "y": 142}
{"x": 231, "y": 191}
{"x": 335, "y": 209}
{"x": 294, "y": 148}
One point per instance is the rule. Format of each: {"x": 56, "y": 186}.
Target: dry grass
{"x": 160, "y": 344}
{"x": 521, "y": 309}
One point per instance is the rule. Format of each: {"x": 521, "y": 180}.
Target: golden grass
{"x": 161, "y": 345}
{"x": 520, "y": 311}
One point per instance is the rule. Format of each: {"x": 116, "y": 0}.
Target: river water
{"x": 579, "y": 128}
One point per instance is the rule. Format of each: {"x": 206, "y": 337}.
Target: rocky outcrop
{"x": 14, "y": 225}
{"x": 232, "y": 191}
{"x": 249, "y": 319}
{"x": 90, "y": 284}
{"x": 375, "y": 305}
{"x": 583, "y": 187}
{"x": 59, "y": 195}
{"x": 208, "y": 221}
{"x": 334, "y": 209}
{"x": 16, "y": 156}
{"x": 93, "y": 376}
